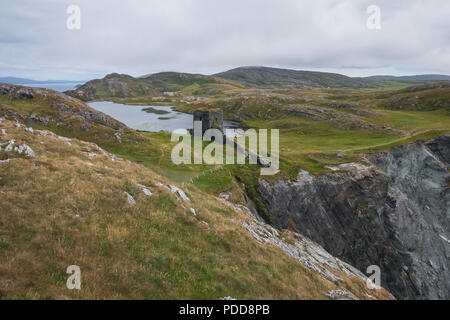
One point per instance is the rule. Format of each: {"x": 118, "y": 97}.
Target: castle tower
{"x": 212, "y": 119}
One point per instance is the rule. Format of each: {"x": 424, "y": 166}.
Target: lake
{"x": 156, "y": 119}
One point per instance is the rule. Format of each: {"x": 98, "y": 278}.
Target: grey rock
{"x": 206, "y": 224}
{"x": 341, "y": 295}
{"x": 130, "y": 199}
{"x": 309, "y": 254}
{"x": 178, "y": 192}
{"x": 440, "y": 148}
{"x": 35, "y": 117}
{"x": 392, "y": 212}
{"x": 24, "y": 93}
{"x": 10, "y": 146}
{"x": 67, "y": 140}
{"x": 144, "y": 189}
{"x": 26, "y": 150}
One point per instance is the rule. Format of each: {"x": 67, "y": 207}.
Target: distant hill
{"x": 124, "y": 86}
{"x": 116, "y": 85}
{"x": 421, "y": 77}
{"x": 429, "y": 96}
{"x": 112, "y": 85}
{"x": 274, "y": 77}
{"x": 14, "y": 80}
{"x": 58, "y": 85}
{"x": 175, "y": 81}
{"x": 23, "y": 81}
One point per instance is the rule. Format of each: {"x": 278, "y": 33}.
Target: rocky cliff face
{"x": 392, "y": 211}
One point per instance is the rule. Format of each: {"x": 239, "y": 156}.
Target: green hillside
{"x": 166, "y": 83}
{"x": 274, "y": 77}
{"x": 72, "y": 202}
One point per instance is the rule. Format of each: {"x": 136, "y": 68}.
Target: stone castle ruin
{"x": 212, "y": 119}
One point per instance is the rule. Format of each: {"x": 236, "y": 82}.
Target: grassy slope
{"x": 150, "y": 240}
{"x": 152, "y": 150}
{"x": 57, "y": 211}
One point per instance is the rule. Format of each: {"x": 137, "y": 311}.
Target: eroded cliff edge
{"x": 391, "y": 211}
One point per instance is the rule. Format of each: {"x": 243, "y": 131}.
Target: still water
{"x": 159, "y": 118}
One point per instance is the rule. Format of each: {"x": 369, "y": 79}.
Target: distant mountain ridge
{"x": 420, "y": 77}
{"x": 116, "y": 85}
{"x": 15, "y": 80}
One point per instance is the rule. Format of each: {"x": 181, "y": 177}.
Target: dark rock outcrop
{"x": 392, "y": 212}
{"x": 441, "y": 148}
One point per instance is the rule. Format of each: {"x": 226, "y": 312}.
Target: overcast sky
{"x": 206, "y": 36}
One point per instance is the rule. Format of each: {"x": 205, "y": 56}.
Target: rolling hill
{"x": 430, "y": 96}
{"x": 274, "y": 77}
{"x": 421, "y": 77}
{"x": 124, "y": 86}
{"x": 233, "y": 81}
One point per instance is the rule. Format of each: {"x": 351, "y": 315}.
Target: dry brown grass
{"x": 56, "y": 210}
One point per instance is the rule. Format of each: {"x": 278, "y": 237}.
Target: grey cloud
{"x": 204, "y": 36}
